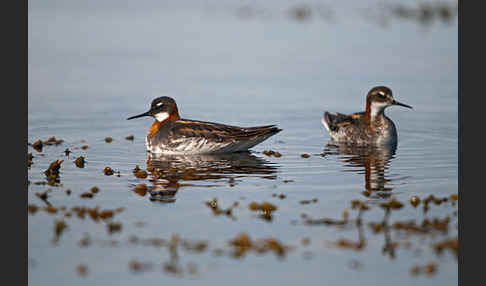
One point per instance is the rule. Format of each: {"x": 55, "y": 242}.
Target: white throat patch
{"x": 377, "y": 108}
{"x": 161, "y": 116}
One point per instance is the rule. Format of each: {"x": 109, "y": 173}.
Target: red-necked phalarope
{"x": 371, "y": 127}
{"x": 170, "y": 134}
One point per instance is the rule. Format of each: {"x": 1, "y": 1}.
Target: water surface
{"x": 91, "y": 67}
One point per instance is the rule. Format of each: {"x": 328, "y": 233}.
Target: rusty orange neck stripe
{"x": 157, "y": 125}
{"x": 367, "y": 115}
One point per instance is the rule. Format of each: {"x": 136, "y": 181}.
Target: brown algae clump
{"x": 86, "y": 195}
{"x": 84, "y": 147}
{"x": 130, "y": 137}
{"x": 52, "y": 173}
{"x": 415, "y": 201}
{"x": 29, "y": 159}
{"x": 38, "y": 145}
{"x": 67, "y": 152}
{"x": 82, "y": 270}
{"x": 136, "y": 266}
{"x": 53, "y": 141}
{"x": 306, "y": 202}
{"x": 266, "y": 209}
{"x": 106, "y": 214}
{"x": 108, "y": 139}
{"x": 345, "y": 243}
{"x": 452, "y": 244}
{"x": 305, "y": 155}
{"x": 79, "y": 162}
{"x": 51, "y": 209}
{"x": 242, "y": 243}
{"x": 393, "y": 204}
{"x": 32, "y": 209}
{"x": 428, "y": 269}
{"x": 95, "y": 190}
{"x": 213, "y": 204}
{"x": 114, "y": 227}
{"x": 108, "y": 171}
{"x": 272, "y": 153}
{"x": 44, "y": 195}
{"x": 59, "y": 227}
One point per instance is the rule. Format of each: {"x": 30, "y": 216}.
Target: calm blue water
{"x": 92, "y": 65}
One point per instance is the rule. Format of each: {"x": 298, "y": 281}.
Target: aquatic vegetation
{"x": 38, "y": 145}
{"x": 272, "y": 153}
{"x": 79, "y": 162}
{"x": 108, "y": 171}
{"x": 86, "y": 195}
{"x": 306, "y": 202}
{"x": 266, "y": 209}
{"x": 52, "y": 173}
{"x": 213, "y": 204}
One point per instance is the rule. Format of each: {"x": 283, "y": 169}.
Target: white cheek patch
{"x": 377, "y": 107}
{"x": 161, "y": 116}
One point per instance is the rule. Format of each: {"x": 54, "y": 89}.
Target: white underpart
{"x": 377, "y": 108}
{"x": 204, "y": 146}
{"x": 323, "y": 121}
{"x": 161, "y": 116}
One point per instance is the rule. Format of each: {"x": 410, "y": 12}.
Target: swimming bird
{"x": 370, "y": 127}
{"x": 170, "y": 134}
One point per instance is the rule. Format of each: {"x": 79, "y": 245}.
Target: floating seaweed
{"x": 415, "y": 201}
{"x": 114, "y": 227}
{"x": 242, "y": 244}
{"x": 32, "y": 209}
{"x": 52, "y": 173}
{"x": 428, "y": 269}
{"x": 82, "y": 270}
{"x": 272, "y": 153}
{"x": 306, "y": 202}
{"x": 79, "y": 162}
{"x": 59, "y": 227}
{"x": 53, "y": 141}
{"x": 266, "y": 209}
{"x": 213, "y": 204}
{"x": 86, "y": 195}
{"x": 37, "y": 145}
{"x": 108, "y": 171}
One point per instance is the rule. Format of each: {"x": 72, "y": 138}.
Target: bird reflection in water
{"x": 373, "y": 160}
{"x": 170, "y": 171}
